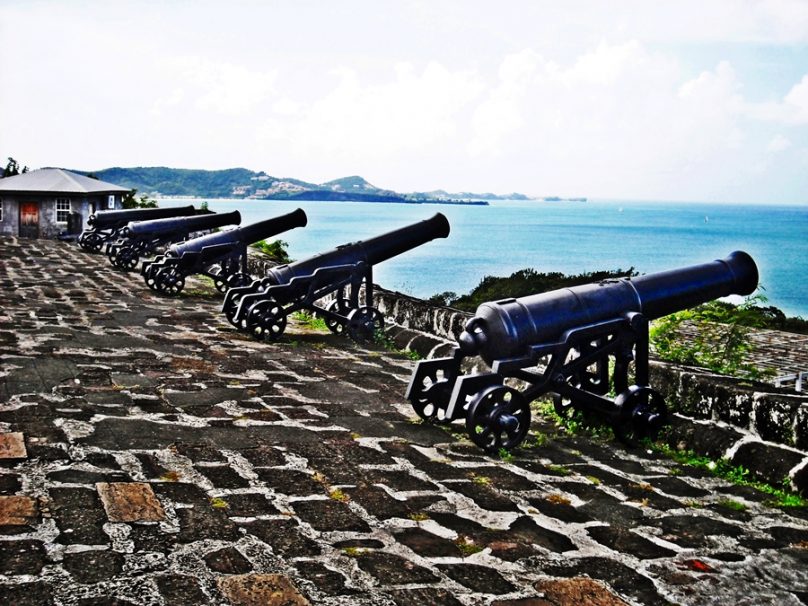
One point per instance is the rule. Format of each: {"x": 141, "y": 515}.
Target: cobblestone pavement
{"x": 149, "y": 455}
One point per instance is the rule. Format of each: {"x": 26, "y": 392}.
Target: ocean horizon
{"x": 568, "y": 237}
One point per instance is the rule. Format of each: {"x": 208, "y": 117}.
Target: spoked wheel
{"x": 219, "y": 278}
{"x": 430, "y": 397}
{"x": 93, "y": 243}
{"x": 498, "y": 417}
{"x": 126, "y": 259}
{"x": 231, "y": 309}
{"x": 169, "y": 281}
{"x": 150, "y": 271}
{"x": 643, "y": 413}
{"x": 266, "y": 320}
{"x": 339, "y": 306}
{"x": 363, "y": 323}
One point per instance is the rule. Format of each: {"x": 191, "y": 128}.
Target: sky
{"x": 703, "y": 100}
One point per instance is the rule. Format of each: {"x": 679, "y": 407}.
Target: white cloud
{"x": 778, "y": 144}
{"x": 410, "y": 111}
{"x": 216, "y": 86}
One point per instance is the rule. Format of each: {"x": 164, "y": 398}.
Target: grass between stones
{"x": 576, "y": 423}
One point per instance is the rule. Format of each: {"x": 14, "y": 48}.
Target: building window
{"x": 62, "y": 210}
{"x": 111, "y": 201}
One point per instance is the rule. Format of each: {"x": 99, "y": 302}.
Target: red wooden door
{"x": 29, "y": 220}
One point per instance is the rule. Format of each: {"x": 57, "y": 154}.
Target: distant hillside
{"x": 159, "y": 181}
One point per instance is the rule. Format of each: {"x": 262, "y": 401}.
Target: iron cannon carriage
{"x": 106, "y": 225}
{"x": 562, "y": 343}
{"x": 262, "y": 307}
{"x": 221, "y": 256}
{"x": 139, "y": 238}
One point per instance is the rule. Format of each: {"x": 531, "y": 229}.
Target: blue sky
{"x": 689, "y": 100}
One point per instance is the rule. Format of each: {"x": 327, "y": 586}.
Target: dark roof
{"x": 57, "y": 180}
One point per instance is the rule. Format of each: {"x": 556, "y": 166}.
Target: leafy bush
{"x": 275, "y": 249}
{"x": 130, "y": 200}
{"x": 713, "y": 336}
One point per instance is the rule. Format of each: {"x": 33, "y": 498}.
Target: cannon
{"x": 221, "y": 256}
{"x": 561, "y": 343}
{"x": 262, "y": 307}
{"x": 140, "y": 238}
{"x": 105, "y": 225}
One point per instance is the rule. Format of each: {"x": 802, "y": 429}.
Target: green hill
{"x": 159, "y": 181}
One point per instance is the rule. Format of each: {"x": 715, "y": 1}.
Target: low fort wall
{"x": 751, "y": 424}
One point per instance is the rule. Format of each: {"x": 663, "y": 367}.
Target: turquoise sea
{"x": 570, "y": 237}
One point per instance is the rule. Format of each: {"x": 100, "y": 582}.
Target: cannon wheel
{"x": 169, "y": 281}
{"x": 93, "y": 243}
{"x": 430, "y": 398}
{"x": 498, "y": 417}
{"x": 363, "y": 323}
{"x": 266, "y": 320}
{"x": 339, "y": 306}
{"x": 127, "y": 259}
{"x": 643, "y": 414}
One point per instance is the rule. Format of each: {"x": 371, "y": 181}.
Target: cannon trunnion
{"x": 139, "y": 238}
{"x": 262, "y": 307}
{"x": 222, "y": 256}
{"x": 106, "y": 225}
{"x": 561, "y": 343}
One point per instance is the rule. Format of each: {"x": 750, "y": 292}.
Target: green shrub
{"x": 718, "y": 340}
{"x": 275, "y": 249}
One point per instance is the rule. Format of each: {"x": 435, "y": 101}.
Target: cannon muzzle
{"x": 370, "y": 252}
{"x": 243, "y": 235}
{"x": 157, "y": 227}
{"x": 507, "y": 328}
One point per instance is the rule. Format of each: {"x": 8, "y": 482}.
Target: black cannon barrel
{"x": 156, "y": 227}
{"x": 372, "y": 251}
{"x": 504, "y": 329}
{"x": 246, "y": 235}
{"x": 106, "y": 218}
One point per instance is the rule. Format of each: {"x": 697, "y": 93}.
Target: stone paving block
{"x": 620, "y": 578}
{"x": 89, "y": 567}
{"x": 329, "y": 515}
{"x": 37, "y": 593}
{"x": 261, "y": 590}
{"x": 245, "y": 505}
{"x": 390, "y": 569}
{"x": 228, "y": 561}
{"x": 328, "y": 581}
{"x": 205, "y": 522}
{"x": 79, "y": 515}
{"x": 626, "y": 541}
{"x": 284, "y": 537}
{"x": 182, "y": 589}
{"x": 578, "y": 590}
{"x": 18, "y": 511}
{"x": 423, "y": 595}
{"x": 12, "y": 446}
{"x": 21, "y": 557}
{"x": 427, "y": 544}
{"x": 130, "y": 502}
{"x": 480, "y": 579}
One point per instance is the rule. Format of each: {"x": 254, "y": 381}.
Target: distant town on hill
{"x": 160, "y": 181}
